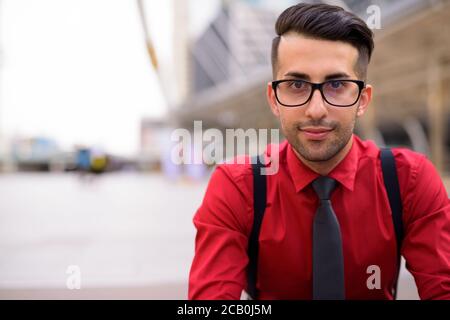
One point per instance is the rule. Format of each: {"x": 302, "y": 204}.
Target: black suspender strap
{"x": 259, "y": 205}
{"x": 393, "y": 191}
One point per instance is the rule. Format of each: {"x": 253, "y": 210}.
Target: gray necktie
{"x": 328, "y": 261}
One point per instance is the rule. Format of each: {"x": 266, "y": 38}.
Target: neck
{"x": 325, "y": 167}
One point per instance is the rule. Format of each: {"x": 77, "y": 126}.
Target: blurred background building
{"x": 229, "y": 67}
{"x": 107, "y": 199}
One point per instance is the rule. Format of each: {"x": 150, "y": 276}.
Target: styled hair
{"x": 326, "y": 22}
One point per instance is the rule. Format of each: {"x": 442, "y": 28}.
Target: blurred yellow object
{"x": 152, "y": 54}
{"x": 150, "y": 49}
{"x": 98, "y": 163}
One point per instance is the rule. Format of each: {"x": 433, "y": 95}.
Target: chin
{"x": 317, "y": 151}
{"x": 319, "y": 157}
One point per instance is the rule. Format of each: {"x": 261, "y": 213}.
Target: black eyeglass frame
{"x": 318, "y": 86}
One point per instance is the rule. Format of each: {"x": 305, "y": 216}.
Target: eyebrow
{"x": 338, "y": 75}
{"x": 304, "y": 76}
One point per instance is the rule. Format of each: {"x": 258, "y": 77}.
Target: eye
{"x": 297, "y": 84}
{"x": 336, "y": 84}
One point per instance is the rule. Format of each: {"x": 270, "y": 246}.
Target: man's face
{"x": 313, "y": 60}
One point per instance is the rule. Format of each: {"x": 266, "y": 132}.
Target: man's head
{"x": 319, "y": 43}
{"x": 326, "y": 22}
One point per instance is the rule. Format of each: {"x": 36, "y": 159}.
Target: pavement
{"x": 126, "y": 235}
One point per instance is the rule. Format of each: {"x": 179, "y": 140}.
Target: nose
{"x": 316, "y": 108}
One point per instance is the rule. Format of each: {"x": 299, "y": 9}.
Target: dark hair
{"x": 322, "y": 21}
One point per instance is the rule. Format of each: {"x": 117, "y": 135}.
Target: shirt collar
{"x": 344, "y": 172}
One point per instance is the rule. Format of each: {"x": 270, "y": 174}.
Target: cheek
{"x": 290, "y": 115}
{"x": 346, "y": 118}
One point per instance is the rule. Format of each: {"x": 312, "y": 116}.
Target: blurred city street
{"x": 123, "y": 230}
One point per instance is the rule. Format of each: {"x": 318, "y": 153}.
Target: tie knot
{"x": 324, "y": 186}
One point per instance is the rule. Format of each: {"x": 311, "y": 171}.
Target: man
{"x": 327, "y": 222}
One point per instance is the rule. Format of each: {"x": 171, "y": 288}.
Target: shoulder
{"x": 228, "y": 200}
{"x": 239, "y": 168}
{"x": 406, "y": 160}
{"x": 408, "y": 163}
{"x": 421, "y": 187}
{"x": 411, "y": 167}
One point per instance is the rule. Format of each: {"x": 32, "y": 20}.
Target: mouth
{"x": 316, "y": 133}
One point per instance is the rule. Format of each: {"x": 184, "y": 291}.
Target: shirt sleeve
{"x": 223, "y": 223}
{"x": 426, "y": 246}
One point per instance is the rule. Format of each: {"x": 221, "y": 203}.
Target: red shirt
{"x": 225, "y": 219}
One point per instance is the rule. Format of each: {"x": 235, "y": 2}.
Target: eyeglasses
{"x": 338, "y": 93}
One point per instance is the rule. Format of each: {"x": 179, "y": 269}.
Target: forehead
{"x": 315, "y": 57}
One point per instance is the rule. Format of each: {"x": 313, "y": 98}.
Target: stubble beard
{"x": 318, "y": 151}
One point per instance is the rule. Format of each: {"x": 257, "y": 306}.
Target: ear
{"x": 272, "y": 100}
{"x": 366, "y": 97}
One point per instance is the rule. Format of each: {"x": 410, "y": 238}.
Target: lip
{"x": 316, "y": 133}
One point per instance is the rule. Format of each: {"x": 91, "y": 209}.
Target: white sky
{"x": 78, "y": 71}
